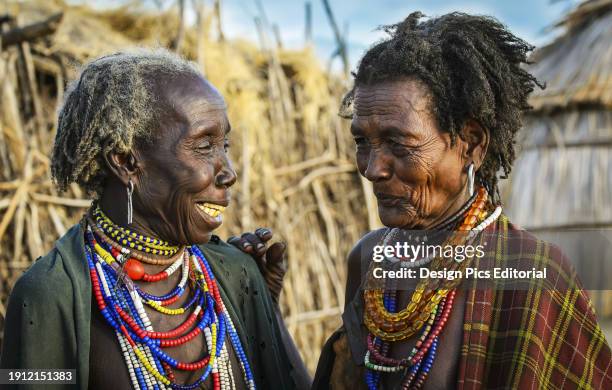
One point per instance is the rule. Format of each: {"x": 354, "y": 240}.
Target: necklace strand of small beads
{"x": 121, "y": 303}
{"x": 421, "y": 358}
{"x": 156, "y": 302}
{"x": 132, "y": 239}
{"x": 125, "y": 252}
{"x": 428, "y": 293}
{"x": 379, "y": 347}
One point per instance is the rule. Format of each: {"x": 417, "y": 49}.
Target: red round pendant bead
{"x": 134, "y": 269}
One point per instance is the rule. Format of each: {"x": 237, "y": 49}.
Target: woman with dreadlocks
{"x": 435, "y": 109}
{"x": 140, "y": 294}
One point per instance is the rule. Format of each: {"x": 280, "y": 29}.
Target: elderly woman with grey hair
{"x": 140, "y": 293}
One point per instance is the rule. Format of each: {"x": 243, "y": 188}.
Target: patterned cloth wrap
{"x": 541, "y": 337}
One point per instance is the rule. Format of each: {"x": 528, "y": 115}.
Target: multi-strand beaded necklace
{"x": 428, "y": 310}
{"x": 113, "y": 267}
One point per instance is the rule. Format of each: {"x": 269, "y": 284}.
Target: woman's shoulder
{"x": 35, "y": 283}
{"x": 49, "y": 274}
{"x": 529, "y": 242}
{"x": 365, "y": 245}
{"x": 522, "y": 245}
{"x": 228, "y": 255}
{"x": 358, "y": 260}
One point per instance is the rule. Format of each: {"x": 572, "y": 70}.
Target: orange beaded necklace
{"x": 428, "y": 293}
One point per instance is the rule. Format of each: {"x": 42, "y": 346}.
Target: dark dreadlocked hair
{"x": 472, "y": 65}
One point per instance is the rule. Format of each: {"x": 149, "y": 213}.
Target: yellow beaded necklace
{"x": 428, "y": 293}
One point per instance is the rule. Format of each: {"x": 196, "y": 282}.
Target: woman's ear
{"x": 477, "y": 139}
{"x": 122, "y": 165}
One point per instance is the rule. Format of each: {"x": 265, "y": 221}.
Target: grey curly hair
{"x": 111, "y": 106}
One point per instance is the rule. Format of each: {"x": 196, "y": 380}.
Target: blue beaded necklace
{"x": 120, "y": 302}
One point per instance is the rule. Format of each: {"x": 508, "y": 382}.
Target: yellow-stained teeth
{"x": 214, "y": 206}
{"x": 211, "y": 209}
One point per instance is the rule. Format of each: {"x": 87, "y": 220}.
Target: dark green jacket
{"x": 48, "y": 317}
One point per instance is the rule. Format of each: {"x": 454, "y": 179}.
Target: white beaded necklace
{"x": 222, "y": 365}
{"x": 426, "y": 260}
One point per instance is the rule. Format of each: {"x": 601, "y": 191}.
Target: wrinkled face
{"x": 416, "y": 174}
{"x": 185, "y": 174}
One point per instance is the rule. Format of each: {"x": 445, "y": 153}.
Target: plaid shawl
{"x": 542, "y": 337}
{"x": 537, "y": 338}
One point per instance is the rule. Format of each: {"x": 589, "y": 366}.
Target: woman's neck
{"x": 457, "y": 207}
{"x": 113, "y": 203}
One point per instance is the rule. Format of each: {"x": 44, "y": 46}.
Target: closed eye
{"x": 400, "y": 149}
{"x": 205, "y": 145}
{"x": 359, "y": 141}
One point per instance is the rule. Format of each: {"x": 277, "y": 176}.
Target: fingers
{"x": 254, "y": 244}
{"x": 259, "y": 247}
{"x": 264, "y": 234}
{"x": 276, "y": 254}
{"x": 235, "y": 241}
{"x": 241, "y": 244}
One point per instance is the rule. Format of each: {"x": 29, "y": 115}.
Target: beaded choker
{"x": 132, "y": 239}
{"x": 438, "y": 231}
{"x": 122, "y": 303}
{"x": 428, "y": 311}
{"x": 131, "y": 252}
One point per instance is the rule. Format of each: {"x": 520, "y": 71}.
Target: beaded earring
{"x": 130, "y": 190}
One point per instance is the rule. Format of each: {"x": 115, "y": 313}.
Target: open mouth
{"x": 211, "y": 209}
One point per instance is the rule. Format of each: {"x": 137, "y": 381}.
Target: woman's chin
{"x": 199, "y": 234}
{"x": 199, "y": 238}
{"x": 396, "y": 222}
{"x": 394, "y": 218}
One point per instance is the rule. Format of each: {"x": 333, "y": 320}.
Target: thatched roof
{"x": 577, "y": 67}
{"x": 563, "y": 174}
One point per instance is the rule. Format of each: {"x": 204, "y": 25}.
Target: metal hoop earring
{"x": 130, "y": 190}
{"x": 471, "y": 179}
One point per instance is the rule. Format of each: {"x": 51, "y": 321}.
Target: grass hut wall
{"x": 561, "y": 183}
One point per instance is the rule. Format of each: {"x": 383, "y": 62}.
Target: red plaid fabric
{"x": 536, "y": 338}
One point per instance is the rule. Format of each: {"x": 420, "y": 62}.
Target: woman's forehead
{"x": 395, "y": 104}
{"x": 188, "y": 87}
{"x": 405, "y": 94}
{"x": 191, "y": 101}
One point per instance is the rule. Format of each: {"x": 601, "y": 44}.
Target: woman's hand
{"x": 272, "y": 260}
{"x": 272, "y": 263}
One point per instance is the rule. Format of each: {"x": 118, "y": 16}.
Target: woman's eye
{"x": 205, "y": 145}
{"x": 359, "y": 141}
{"x": 400, "y": 149}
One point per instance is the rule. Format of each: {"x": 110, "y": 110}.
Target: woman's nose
{"x": 226, "y": 177}
{"x": 378, "y": 166}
